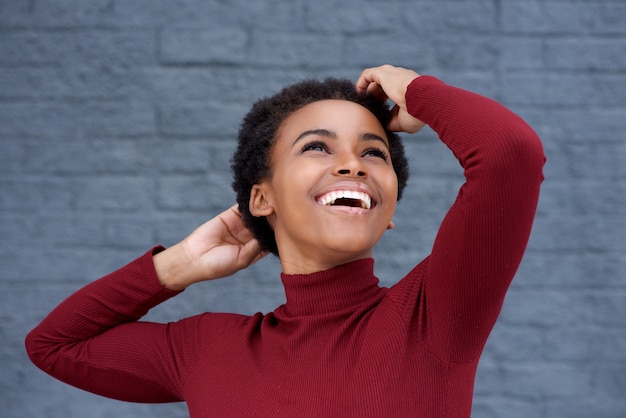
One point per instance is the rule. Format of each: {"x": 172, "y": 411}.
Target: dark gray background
{"x": 118, "y": 118}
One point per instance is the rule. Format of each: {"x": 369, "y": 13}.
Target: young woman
{"x": 318, "y": 171}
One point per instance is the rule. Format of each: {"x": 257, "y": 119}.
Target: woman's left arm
{"x": 482, "y": 238}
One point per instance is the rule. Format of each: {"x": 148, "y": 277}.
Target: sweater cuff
{"x": 153, "y": 285}
{"x": 419, "y": 94}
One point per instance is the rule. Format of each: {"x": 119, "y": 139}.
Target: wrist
{"x": 172, "y": 268}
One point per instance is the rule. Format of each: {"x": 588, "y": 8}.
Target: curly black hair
{"x": 250, "y": 162}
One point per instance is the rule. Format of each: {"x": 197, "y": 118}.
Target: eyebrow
{"x": 332, "y": 135}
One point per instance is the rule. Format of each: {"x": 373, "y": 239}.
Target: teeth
{"x": 331, "y": 198}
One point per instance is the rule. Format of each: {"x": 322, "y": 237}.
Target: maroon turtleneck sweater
{"x": 341, "y": 346}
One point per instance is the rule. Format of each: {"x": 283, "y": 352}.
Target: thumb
{"x": 394, "y": 120}
{"x": 251, "y": 252}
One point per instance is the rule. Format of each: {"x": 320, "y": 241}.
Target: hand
{"x": 389, "y": 82}
{"x": 218, "y": 248}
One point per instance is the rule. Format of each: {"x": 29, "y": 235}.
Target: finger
{"x": 368, "y": 77}
{"x": 376, "y": 91}
{"x": 232, "y": 221}
{"x": 251, "y": 252}
{"x": 394, "y": 120}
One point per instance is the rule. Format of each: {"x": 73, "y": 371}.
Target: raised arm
{"x": 93, "y": 339}
{"x": 482, "y": 238}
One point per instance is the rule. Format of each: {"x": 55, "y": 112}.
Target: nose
{"x": 350, "y": 165}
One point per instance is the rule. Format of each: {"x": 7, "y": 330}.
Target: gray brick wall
{"x": 118, "y": 117}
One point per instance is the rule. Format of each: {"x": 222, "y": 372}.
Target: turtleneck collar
{"x": 340, "y": 288}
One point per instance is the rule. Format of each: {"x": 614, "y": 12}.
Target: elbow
{"x": 38, "y": 351}
{"x": 527, "y": 154}
{"x": 32, "y": 344}
{"x": 519, "y": 154}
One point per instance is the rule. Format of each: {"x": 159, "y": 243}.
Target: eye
{"x": 375, "y": 152}
{"x": 315, "y": 146}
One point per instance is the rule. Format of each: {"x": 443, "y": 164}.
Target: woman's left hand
{"x": 389, "y": 82}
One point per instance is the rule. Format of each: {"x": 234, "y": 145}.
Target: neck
{"x": 338, "y": 289}
{"x": 294, "y": 261}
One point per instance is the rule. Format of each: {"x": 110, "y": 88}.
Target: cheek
{"x": 389, "y": 181}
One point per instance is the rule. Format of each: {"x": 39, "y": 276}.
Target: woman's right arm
{"x": 93, "y": 339}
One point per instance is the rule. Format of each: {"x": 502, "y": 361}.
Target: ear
{"x": 391, "y": 225}
{"x": 260, "y": 203}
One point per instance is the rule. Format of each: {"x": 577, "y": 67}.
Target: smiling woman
{"x": 266, "y": 122}
{"x": 318, "y": 171}
{"x": 337, "y": 149}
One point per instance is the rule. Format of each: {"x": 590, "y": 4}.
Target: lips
{"x": 350, "y": 198}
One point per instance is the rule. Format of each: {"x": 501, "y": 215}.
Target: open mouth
{"x": 348, "y": 198}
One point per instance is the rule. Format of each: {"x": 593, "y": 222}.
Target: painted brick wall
{"x": 118, "y": 117}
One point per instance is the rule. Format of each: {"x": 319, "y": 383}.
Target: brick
{"x": 565, "y": 90}
{"x": 535, "y": 380}
{"x": 77, "y": 83}
{"x": 515, "y": 344}
{"x": 585, "y": 345}
{"x": 597, "y": 127}
{"x": 201, "y": 119}
{"x": 31, "y": 194}
{"x": 12, "y": 155}
{"x": 610, "y": 309}
{"x": 475, "y": 17}
{"x": 170, "y": 228}
{"x": 220, "y": 153}
{"x": 195, "y": 192}
{"x": 63, "y": 265}
{"x": 188, "y": 46}
{"x": 585, "y": 197}
{"x": 226, "y": 85}
{"x": 345, "y": 18}
{"x": 179, "y": 13}
{"x": 68, "y": 119}
{"x": 580, "y": 234}
{"x": 285, "y": 50}
{"x": 602, "y": 55}
{"x": 549, "y": 308}
{"x": 106, "y": 156}
{"x": 123, "y": 193}
{"x": 548, "y": 18}
{"x": 73, "y": 13}
{"x": 440, "y": 53}
{"x": 498, "y": 407}
{"x": 188, "y": 156}
{"x": 522, "y": 54}
{"x": 610, "y": 380}
{"x": 86, "y": 47}
{"x": 584, "y": 407}
{"x": 593, "y": 161}
{"x": 82, "y": 230}
{"x": 581, "y": 270}
{"x": 15, "y": 14}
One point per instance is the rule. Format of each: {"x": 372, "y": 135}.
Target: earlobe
{"x": 391, "y": 225}
{"x": 259, "y": 202}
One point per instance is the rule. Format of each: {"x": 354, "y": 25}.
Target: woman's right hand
{"x": 218, "y": 248}
{"x": 389, "y": 82}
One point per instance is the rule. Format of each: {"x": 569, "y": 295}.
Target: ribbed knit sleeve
{"x": 91, "y": 340}
{"x": 480, "y": 243}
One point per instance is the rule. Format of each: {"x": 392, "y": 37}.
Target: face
{"x": 333, "y": 189}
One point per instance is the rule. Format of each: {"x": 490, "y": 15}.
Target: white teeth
{"x": 331, "y": 197}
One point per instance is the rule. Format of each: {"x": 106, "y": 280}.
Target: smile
{"x": 349, "y": 198}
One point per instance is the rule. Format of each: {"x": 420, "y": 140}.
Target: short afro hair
{"x": 251, "y": 161}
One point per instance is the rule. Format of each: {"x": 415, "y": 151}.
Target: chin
{"x": 351, "y": 249}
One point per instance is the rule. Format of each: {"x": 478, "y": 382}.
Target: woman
{"x": 318, "y": 171}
